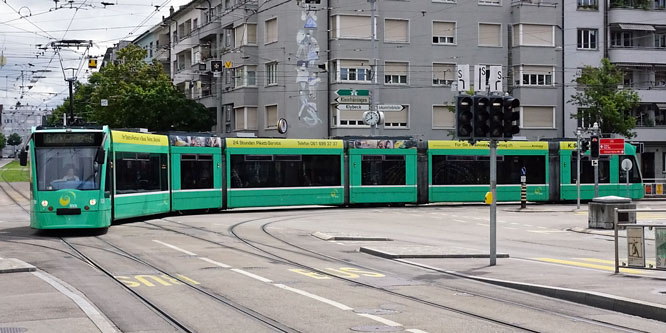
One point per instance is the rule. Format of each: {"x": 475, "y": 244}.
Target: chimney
{"x": 170, "y": 10}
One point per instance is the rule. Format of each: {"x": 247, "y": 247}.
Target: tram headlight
{"x": 93, "y": 202}
{"x": 45, "y": 203}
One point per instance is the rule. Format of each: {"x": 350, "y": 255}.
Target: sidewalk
{"x": 33, "y": 300}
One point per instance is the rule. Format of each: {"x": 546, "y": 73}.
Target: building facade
{"x": 19, "y": 119}
{"x": 287, "y": 60}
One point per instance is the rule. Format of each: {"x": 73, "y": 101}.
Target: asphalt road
{"x": 262, "y": 270}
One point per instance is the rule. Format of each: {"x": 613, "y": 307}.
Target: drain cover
{"x": 376, "y": 328}
{"x": 376, "y": 311}
{"x": 15, "y": 330}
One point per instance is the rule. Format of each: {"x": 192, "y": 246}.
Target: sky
{"x": 33, "y": 71}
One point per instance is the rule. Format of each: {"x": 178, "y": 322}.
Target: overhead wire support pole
{"x": 373, "y": 46}
{"x": 493, "y": 206}
{"x": 578, "y": 168}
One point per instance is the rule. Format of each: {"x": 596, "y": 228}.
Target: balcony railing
{"x": 638, "y": 4}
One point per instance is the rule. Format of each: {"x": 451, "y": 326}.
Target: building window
{"x": 660, "y": 40}
{"x": 397, "y": 119}
{"x": 588, "y": 4}
{"x": 622, "y": 39}
{"x": 533, "y": 35}
{"x": 444, "y": 33}
{"x": 245, "y": 76}
{"x": 245, "y": 118}
{"x": 587, "y": 39}
{"x": 396, "y": 31}
{"x": 271, "y": 33}
{"x": 271, "y": 73}
{"x": 350, "y": 26}
{"x": 354, "y": 70}
{"x": 271, "y": 116}
{"x": 246, "y": 34}
{"x": 534, "y": 75}
{"x": 395, "y": 72}
{"x": 489, "y": 2}
{"x": 347, "y": 118}
{"x": 490, "y": 34}
{"x": 442, "y": 117}
{"x": 150, "y": 52}
{"x": 660, "y": 4}
{"x": 537, "y": 117}
{"x": 443, "y": 74}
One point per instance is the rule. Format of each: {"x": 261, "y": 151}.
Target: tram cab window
{"x": 196, "y": 171}
{"x": 587, "y": 170}
{"x": 257, "y": 171}
{"x": 634, "y": 174}
{"x": 475, "y": 170}
{"x": 141, "y": 172}
{"x": 67, "y": 168}
{"x": 383, "y": 170}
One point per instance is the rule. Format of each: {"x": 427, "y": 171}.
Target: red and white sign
{"x": 611, "y": 146}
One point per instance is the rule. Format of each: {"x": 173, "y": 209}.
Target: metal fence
{"x": 636, "y": 250}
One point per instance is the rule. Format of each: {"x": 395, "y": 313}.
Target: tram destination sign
{"x": 611, "y": 146}
{"x": 353, "y": 99}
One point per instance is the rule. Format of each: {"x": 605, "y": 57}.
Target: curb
{"x": 595, "y": 299}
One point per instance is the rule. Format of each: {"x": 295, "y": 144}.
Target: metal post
{"x": 596, "y": 179}
{"x": 578, "y": 168}
{"x": 71, "y": 101}
{"x": 373, "y": 47}
{"x": 617, "y": 258}
{"x": 523, "y": 195}
{"x": 218, "y": 88}
{"x": 627, "y": 176}
{"x": 493, "y": 205}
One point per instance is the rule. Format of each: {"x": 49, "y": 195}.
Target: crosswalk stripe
{"x": 588, "y": 265}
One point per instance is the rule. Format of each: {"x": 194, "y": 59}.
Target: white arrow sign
{"x": 389, "y": 108}
{"x": 353, "y": 107}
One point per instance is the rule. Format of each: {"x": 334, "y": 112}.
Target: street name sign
{"x": 353, "y": 107}
{"x": 389, "y": 107}
{"x": 611, "y": 146}
{"x": 353, "y": 92}
{"x": 353, "y": 99}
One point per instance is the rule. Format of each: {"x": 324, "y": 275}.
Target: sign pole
{"x": 373, "y": 46}
{"x": 218, "y": 88}
{"x": 493, "y": 205}
{"x": 627, "y": 176}
{"x": 596, "y": 179}
{"x": 578, "y": 168}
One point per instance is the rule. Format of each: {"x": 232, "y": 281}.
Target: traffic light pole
{"x": 493, "y": 205}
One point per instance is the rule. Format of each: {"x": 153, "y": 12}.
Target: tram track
{"x": 270, "y": 255}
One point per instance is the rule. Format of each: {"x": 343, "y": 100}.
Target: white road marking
{"x": 483, "y": 224}
{"x": 545, "y": 231}
{"x": 380, "y": 319}
{"x": 175, "y": 247}
{"x": 215, "y": 263}
{"x": 461, "y": 221}
{"x": 95, "y": 316}
{"x": 315, "y": 297}
{"x": 414, "y": 330}
{"x": 509, "y": 228}
{"x": 254, "y": 276}
{"x": 541, "y": 227}
{"x": 514, "y": 223}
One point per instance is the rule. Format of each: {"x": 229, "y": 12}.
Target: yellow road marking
{"x": 588, "y": 265}
{"x": 610, "y": 262}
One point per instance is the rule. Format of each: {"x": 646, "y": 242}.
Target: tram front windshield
{"x": 67, "y": 161}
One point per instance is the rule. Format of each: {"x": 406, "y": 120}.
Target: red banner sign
{"x": 611, "y": 146}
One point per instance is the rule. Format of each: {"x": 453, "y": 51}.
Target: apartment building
{"x": 632, "y": 34}
{"x": 287, "y": 60}
{"x": 19, "y": 119}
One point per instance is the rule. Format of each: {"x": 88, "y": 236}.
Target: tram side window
{"x": 587, "y": 170}
{"x": 196, "y": 171}
{"x": 383, "y": 170}
{"x": 141, "y": 172}
{"x": 634, "y": 175}
{"x": 460, "y": 170}
{"x": 510, "y": 168}
{"x": 257, "y": 171}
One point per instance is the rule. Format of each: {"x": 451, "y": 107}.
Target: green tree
{"x": 3, "y": 142}
{"x": 138, "y": 95}
{"x": 602, "y": 101}
{"x": 14, "y": 140}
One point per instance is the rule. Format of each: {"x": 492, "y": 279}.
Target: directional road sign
{"x": 353, "y": 99}
{"x": 389, "y": 108}
{"x": 611, "y": 146}
{"x": 353, "y": 92}
{"x": 353, "y": 107}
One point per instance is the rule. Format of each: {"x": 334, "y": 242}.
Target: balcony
{"x": 621, "y": 15}
{"x": 637, "y": 55}
{"x": 544, "y": 12}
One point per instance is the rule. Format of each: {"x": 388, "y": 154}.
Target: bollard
{"x": 523, "y": 195}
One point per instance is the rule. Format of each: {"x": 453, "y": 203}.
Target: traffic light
{"x": 594, "y": 146}
{"x": 511, "y": 117}
{"x": 464, "y": 117}
{"x": 584, "y": 146}
{"x": 496, "y": 118}
{"x": 481, "y": 116}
